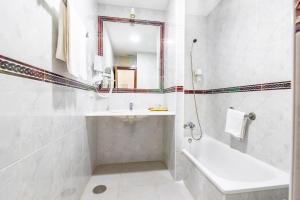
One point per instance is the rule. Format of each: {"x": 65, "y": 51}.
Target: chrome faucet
{"x": 190, "y": 125}
{"x": 131, "y": 106}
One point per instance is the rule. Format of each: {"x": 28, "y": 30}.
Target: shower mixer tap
{"x": 189, "y": 125}
{"x": 131, "y": 106}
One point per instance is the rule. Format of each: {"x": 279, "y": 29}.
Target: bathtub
{"x": 230, "y": 171}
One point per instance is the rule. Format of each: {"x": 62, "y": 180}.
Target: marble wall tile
{"x": 29, "y": 134}
{"x": 174, "y": 76}
{"x": 120, "y": 141}
{"x": 169, "y": 144}
{"x": 273, "y": 124}
{"x": 179, "y": 135}
{"x": 58, "y": 170}
{"x": 196, "y": 28}
{"x": 199, "y": 186}
{"x": 46, "y": 146}
{"x": 170, "y": 46}
{"x": 236, "y": 57}
{"x": 233, "y": 57}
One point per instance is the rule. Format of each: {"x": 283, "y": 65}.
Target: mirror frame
{"x": 102, "y": 19}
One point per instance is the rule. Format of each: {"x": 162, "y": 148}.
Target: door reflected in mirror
{"x": 134, "y": 49}
{"x": 126, "y": 77}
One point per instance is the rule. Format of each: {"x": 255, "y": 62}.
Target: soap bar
{"x": 158, "y": 109}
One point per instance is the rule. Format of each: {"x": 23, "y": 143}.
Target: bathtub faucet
{"x": 190, "y": 125}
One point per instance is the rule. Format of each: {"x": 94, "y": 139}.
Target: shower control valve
{"x": 189, "y": 125}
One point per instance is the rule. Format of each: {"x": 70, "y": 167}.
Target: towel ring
{"x": 251, "y": 116}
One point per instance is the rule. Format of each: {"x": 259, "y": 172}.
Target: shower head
{"x": 194, "y": 42}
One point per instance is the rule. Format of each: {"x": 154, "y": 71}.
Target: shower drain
{"x": 99, "y": 189}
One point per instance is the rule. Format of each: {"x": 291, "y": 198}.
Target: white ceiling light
{"x": 135, "y": 38}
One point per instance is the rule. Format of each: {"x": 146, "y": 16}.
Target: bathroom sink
{"x": 130, "y": 113}
{"x": 122, "y": 111}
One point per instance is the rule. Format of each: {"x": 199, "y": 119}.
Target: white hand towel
{"x": 77, "y": 61}
{"x": 235, "y": 123}
{"x": 62, "y": 40}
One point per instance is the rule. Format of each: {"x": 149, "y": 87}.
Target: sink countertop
{"x": 130, "y": 113}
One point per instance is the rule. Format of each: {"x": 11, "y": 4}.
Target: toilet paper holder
{"x": 251, "y": 116}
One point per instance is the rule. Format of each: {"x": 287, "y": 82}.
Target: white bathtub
{"x": 232, "y": 171}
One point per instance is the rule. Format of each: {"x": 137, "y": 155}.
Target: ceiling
{"x": 123, "y": 34}
{"x": 149, "y": 4}
{"x": 201, "y": 7}
{"x": 193, "y": 7}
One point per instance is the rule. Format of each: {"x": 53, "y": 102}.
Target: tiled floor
{"x": 136, "y": 181}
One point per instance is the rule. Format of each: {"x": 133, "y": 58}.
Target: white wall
{"x": 108, "y": 52}
{"x": 125, "y": 61}
{"x": 147, "y": 71}
{"x": 42, "y": 125}
{"x": 196, "y": 28}
{"x": 174, "y": 70}
{"x": 294, "y": 194}
{"x": 236, "y": 56}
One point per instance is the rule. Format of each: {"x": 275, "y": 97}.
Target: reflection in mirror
{"x": 126, "y": 77}
{"x": 134, "y": 50}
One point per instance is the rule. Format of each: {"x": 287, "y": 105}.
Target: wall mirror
{"x": 135, "y": 50}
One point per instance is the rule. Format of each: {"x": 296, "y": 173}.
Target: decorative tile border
{"x": 116, "y": 90}
{"x": 16, "y": 68}
{"x": 247, "y": 88}
{"x": 193, "y": 91}
{"x": 174, "y": 89}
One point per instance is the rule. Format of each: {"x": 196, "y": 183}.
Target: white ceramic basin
{"x": 130, "y": 113}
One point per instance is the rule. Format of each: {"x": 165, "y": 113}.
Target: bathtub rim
{"x": 206, "y": 172}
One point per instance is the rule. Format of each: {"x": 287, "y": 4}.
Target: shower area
{"x": 241, "y": 59}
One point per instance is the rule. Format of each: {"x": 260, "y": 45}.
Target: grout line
{"x": 14, "y": 163}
